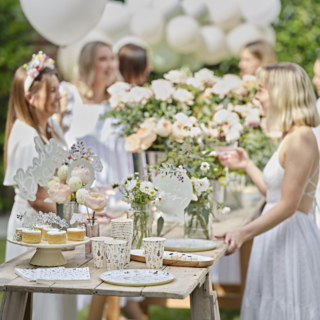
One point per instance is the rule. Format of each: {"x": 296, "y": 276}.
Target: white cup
{"x": 116, "y": 254}
{"x": 128, "y": 246}
{"x": 99, "y": 251}
{"x": 154, "y": 251}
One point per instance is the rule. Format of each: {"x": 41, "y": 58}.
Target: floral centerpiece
{"x": 140, "y": 195}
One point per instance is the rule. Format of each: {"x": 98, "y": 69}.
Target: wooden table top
{"x": 187, "y": 279}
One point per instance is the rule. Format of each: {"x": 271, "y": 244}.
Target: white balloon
{"x": 63, "y": 21}
{"x": 129, "y": 40}
{"x": 183, "y": 34}
{"x": 168, "y": 8}
{"x": 242, "y": 35}
{"x": 269, "y": 35}
{"x": 115, "y": 19}
{"x": 68, "y": 56}
{"x": 191, "y": 61}
{"x": 197, "y": 9}
{"x": 163, "y": 58}
{"x": 148, "y": 24}
{"x": 137, "y": 5}
{"x": 261, "y": 13}
{"x": 226, "y": 14}
{"x": 214, "y": 48}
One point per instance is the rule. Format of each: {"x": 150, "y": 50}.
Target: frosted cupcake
{"x": 31, "y": 236}
{"x": 76, "y": 234}
{"x": 19, "y": 229}
{"x": 39, "y": 228}
{"x": 45, "y": 232}
{"x": 57, "y": 237}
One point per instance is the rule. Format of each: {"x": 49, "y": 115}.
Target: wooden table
{"x": 196, "y": 282}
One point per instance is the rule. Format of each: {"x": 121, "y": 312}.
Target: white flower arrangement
{"x": 205, "y": 166}
{"x": 75, "y": 184}
{"x": 53, "y": 182}
{"x": 163, "y": 90}
{"x": 176, "y": 76}
{"x": 81, "y": 194}
{"x": 63, "y": 172}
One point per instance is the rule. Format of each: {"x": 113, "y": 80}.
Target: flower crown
{"x": 33, "y": 68}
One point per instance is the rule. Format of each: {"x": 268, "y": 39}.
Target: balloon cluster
{"x": 175, "y": 32}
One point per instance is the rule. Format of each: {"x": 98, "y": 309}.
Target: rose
{"x": 116, "y": 102}
{"x": 206, "y": 76}
{"x": 179, "y": 132}
{"x": 139, "y": 95}
{"x": 196, "y": 83}
{"x": 221, "y": 116}
{"x": 183, "y": 96}
{"x": 187, "y": 121}
{"x": 119, "y": 88}
{"x": 250, "y": 82}
{"x": 82, "y": 172}
{"x": 132, "y": 143}
{"x": 63, "y": 172}
{"x": 252, "y": 120}
{"x": 176, "y": 76}
{"x": 213, "y": 132}
{"x": 163, "y": 90}
{"x": 164, "y": 128}
{"x": 75, "y": 183}
{"x": 53, "y": 182}
{"x": 149, "y": 123}
{"x": 147, "y": 137}
{"x": 60, "y": 193}
{"x": 195, "y": 132}
{"x": 201, "y": 185}
{"x": 226, "y": 84}
{"x": 232, "y": 136}
{"x": 95, "y": 201}
{"x": 81, "y": 194}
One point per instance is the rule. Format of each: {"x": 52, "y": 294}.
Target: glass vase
{"x": 65, "y": 211}
{"x": 92, "y": 230}
{"x": 142, "y": 216}
{"x": 198, "y": 221}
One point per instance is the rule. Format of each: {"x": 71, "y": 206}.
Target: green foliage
{"x": 15, "y": 49}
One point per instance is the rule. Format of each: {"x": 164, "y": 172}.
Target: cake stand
{"x": 49, "y": 255}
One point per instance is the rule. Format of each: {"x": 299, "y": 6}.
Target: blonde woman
{"x": 34, "y": 98}
{"x": 255, "y": 55}
{"x": 283, "y": 281}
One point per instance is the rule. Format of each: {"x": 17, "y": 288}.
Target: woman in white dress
{"x": 282, "y": 281}
{"x": 32, "y": 102}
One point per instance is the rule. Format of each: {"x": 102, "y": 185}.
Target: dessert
{"x": 31, "y": 236}
{"x": 46, "y": 230}
{"x": 57, "y": 237}
{"x": 19, "y": 229}
{"x": 76, "y": 234}
{"x": 39, "y": 228}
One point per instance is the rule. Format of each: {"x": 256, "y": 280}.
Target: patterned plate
{"x": 137, "y": 277}
{"x": 189, "y": 245}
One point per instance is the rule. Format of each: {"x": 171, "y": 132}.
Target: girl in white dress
{"x": 32, "y": 102}
{"x": 283, "y": 277}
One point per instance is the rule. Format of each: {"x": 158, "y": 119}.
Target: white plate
{"x": 139, "y": 252}
{"x": 45, "y": 244}
{"x": 189, "y": 245}
{"x": 137, "y": 277}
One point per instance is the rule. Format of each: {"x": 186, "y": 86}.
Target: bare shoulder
{"x": 303, "y": 135}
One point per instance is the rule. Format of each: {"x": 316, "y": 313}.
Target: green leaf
{"x": 160, "y": 224}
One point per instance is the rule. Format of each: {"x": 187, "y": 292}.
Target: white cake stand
{"x": 49, "y": 255}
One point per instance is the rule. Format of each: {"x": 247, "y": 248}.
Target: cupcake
{"x": 45, "y": 232}
{"x": 57, "y": 237}
{"x": 39, "y": 228}
{"x": 76, "y": 234}
{"x": 31, "y": 236}
{"x": 19, "y": 229}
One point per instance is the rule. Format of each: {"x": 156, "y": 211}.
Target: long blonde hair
{"x": 19, "y": 108}
{"x": 86, "y": 63}
{"x": 292, "y": 99}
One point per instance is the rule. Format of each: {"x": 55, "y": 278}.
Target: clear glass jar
{"x": 142, "y": 216}
{"x": 92, "y": 230}
{"x": 198, "y": 221}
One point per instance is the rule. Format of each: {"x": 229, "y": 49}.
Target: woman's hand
{"x": 235, "y": 240}
{"x": 236, "y": 160}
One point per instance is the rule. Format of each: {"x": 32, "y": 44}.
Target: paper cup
{"x": 128, "y": 246}
{"x": 99, "y": 251}
{"x": 116, "y": 254}
{"x": 154, "y": 250}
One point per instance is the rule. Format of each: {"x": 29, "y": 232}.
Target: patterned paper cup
{"x": 128, "y": 246}
{"x": 116, "y": 254}
{"x": 99, "y": 251}
{"x": 154, "y": 250}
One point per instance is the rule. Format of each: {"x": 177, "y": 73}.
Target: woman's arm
{"x": 39, "y": 204}
{"x": 240, "y": 160}
{"x": 298, "y": 162}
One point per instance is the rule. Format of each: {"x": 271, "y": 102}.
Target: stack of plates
{"x": 122, "y": 229}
